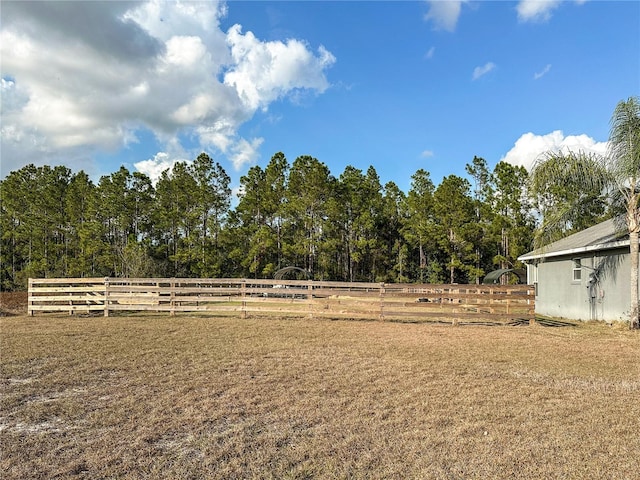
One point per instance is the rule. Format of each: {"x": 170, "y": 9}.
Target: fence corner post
{"x": 106, "y": 296}
{"x": 30, "y": 301}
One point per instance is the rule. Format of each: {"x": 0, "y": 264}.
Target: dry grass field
{"x": 193, "y": 397}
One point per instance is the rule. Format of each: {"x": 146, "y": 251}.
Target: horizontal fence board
{"x": 274, "y": 301}
{"x": 209, "y": 290}
{"x": 65, "y": 308}
{"x": 176, "y": 308}
{"x": 204, "y": 298}
{"x": 457, "y": 314}
{"x": 139, "y": 288}
{"x": 295, "y": 297}
{"x": 74, "y": 298}
{"x": 67, "y": 281}
{"x": 460, "y": 296}
{"x": 68, "y": 289}
{"x": 345, "y": 294}
{"x": 139, "y": 296}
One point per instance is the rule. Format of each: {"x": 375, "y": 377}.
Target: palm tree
{"x": 573, "y": 187}
{"x": 623, "y": 162}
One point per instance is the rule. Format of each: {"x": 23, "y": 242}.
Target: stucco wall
{"x": 607, "y": 299}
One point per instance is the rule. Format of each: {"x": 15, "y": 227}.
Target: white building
{"x": 584, "y": 276}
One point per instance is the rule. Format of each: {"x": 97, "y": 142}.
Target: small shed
{"x": 296, "y": 272}
{"x": 584, "y": 276}
{"x": 494, "y": 277}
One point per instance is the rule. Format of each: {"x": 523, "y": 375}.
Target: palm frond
{"x": 623, "y": 153}
{"x": 566, "y": 186}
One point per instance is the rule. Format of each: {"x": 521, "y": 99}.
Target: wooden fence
{"x": 408, "y": 302}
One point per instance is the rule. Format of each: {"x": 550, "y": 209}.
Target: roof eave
{"x": 572, "y": 251}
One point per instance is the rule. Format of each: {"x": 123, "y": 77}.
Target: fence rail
{"x": 409, "y": 302}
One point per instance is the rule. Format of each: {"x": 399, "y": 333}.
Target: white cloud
{"x": 483, "y": 70}
{"x": 444, "y": 14}
{"x": 219, "y": 134}
{"x": 265, "y": 71}
{"x": 154, "y": 167}
{"x": 82, "y": 77}
{"x": 244, "y": 152}
{"x": 542, "y": 73}
{"x": 427, "y": 154}
{"x": 530, "y": 147}
{"x": 185, "y": 51}
{"x": 536, "y": 10}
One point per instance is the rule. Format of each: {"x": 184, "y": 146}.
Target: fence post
{"x": 382, "y": 293}
{"x": 531, "y": 310}
{"x": 30, "y": 302}
{"x": 310, "y": 298}
{"x": 106, "y": 296}
{"x": 243, "y": 289}
{"x": 70, "y": 303}
{"x": 172, "y": 296}
{"x": 491, "y": 309}
{"x": 454, "y": 320}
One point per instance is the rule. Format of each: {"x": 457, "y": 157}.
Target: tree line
{"x": 56, "y": 223}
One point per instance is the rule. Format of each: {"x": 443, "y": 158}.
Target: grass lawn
{"x": 194, "y": 397}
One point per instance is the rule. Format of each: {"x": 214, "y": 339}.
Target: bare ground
{"x": 196, "y": 397}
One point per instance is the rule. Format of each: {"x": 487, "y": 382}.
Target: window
{"x": 577, "y": 270}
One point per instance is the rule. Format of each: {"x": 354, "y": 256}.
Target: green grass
{"x": 196, "y": 397}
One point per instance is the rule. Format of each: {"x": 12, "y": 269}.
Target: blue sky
{"x": 396, "y": 85}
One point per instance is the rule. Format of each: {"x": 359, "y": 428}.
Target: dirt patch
{"x": 13, "y": 303}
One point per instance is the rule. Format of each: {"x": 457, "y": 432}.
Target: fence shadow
{"x": 554, "y": 322}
